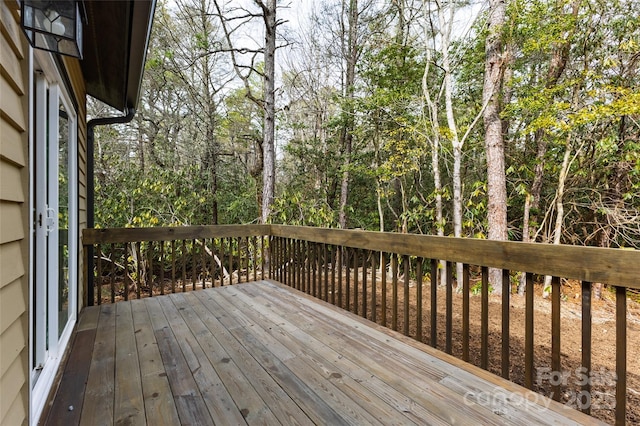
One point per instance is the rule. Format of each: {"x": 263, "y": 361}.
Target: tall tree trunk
{"x": 446, "y": 23}
{"x": 494, "y": 141}
{"x": 346, "y": 135}
{"x": 432, "y": 108}
{"x": 269, "y": 171}
{"x": 562, "y": 180}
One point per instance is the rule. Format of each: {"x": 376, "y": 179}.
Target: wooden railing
{"x": 139, "y": 262}
{"x": 393, "y": 279}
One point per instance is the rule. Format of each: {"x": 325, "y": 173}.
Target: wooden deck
{"x": 262, "y": 353}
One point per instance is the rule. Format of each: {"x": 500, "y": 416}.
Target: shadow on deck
{"x": 265, "y": 353}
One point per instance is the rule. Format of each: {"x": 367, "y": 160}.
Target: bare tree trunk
{"x": 346, "y": 135}
{"x": 432, "y": 107}
{"x": 494, "y": 141}
{"x": 562, "y": 180}
{"x": 269, "y": 164}
{"x": 446, "y": 23}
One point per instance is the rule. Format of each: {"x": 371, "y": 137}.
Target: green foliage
{"x": 196, "y": 144}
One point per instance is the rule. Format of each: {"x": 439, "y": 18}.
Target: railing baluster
{"x": 556, "y": 366}
{"x": 484, "y": 322}
{"x": 365, "y": 258}
{"x": 246, "y": 258}
{"x": 112, "y": 278}
{"x": 307, "y": 287}
{"x": 314, "y": 268}
{"x": 262, "y": 256}
{"x": 419, "y": 299}
{"x": 586, "y": 345}
{"x": 125, "y": 265}
{"x": 231, "y": 260}
{"x": 203, "y": 256}
{"x": 506, "y": 300}
{"x": 449, "y": 307}
{"x": 374, "y": 285}
{"x": 283, "y": 260}
{"x": 465, "y": 312}
{"x": 290, "y": 260}
{"x": 273, "y": 253}
{"x": 173, "y": 266}
{"x": 333, "y": 274}
{"x": 184, "y": 265}
{"x": 326, "y": 272}
{"x": 339, "y": 254}
{"x": 528, "y": 332}
{"x": 405, "y": 267}
{"x": 301, "y": 265}
{"x": 383, "y": 293}
{"x": 433, "y": 341}
{"x": 194, "y": 257}
{"x": 394, "y": 285}
{"x": 150, "y": 274}
{"x": 99, "y": 277}
{"x": 356, "y": 273}
{"x": 347, "y": 276}
{"x": 278, "y": 248}
{"x": 238, "y": 241}
{"x": 254, "y": 258}
{"x": 138, "y": 270}
{"x": 212, "y": 271}
{"x": 621, "y": 355}
{"x": 161, "y": 262}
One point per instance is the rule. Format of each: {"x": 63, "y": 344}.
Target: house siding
{"x": 14, "y": 213}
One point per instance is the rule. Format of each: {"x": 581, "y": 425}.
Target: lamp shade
{"x": 53, "y": 25}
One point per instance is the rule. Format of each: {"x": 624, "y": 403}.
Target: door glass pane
{"x": 63, "y": 219}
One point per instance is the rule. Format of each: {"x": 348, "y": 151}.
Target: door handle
{"x": 51, "y": 219}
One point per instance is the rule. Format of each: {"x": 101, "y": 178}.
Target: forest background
{"x": 380, "y": 119}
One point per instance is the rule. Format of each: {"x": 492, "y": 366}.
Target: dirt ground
{"x": 602, "y": 398}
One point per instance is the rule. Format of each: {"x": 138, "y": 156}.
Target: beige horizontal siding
{"x": 14, "y": 246}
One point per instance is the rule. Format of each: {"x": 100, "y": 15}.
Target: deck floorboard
{"x": 263, "y": 353}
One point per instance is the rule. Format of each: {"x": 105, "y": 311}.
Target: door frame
{"x": 43, "y": 75}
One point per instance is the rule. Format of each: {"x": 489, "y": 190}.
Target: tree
{"x": 494, "y": 141}
{"x": 351, "y": 52}
{"x": 244, "y": 71}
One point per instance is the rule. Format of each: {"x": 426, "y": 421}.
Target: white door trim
{"x": 45, "y": 357}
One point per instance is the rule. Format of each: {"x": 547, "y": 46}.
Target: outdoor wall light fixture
{"x": 54, "y": 25}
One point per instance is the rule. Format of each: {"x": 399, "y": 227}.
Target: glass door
{"x": 55, "y": 230}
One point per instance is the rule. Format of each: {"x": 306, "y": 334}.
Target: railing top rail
{"x": 125, "y": 235}
{"x": 593, "y": 264}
